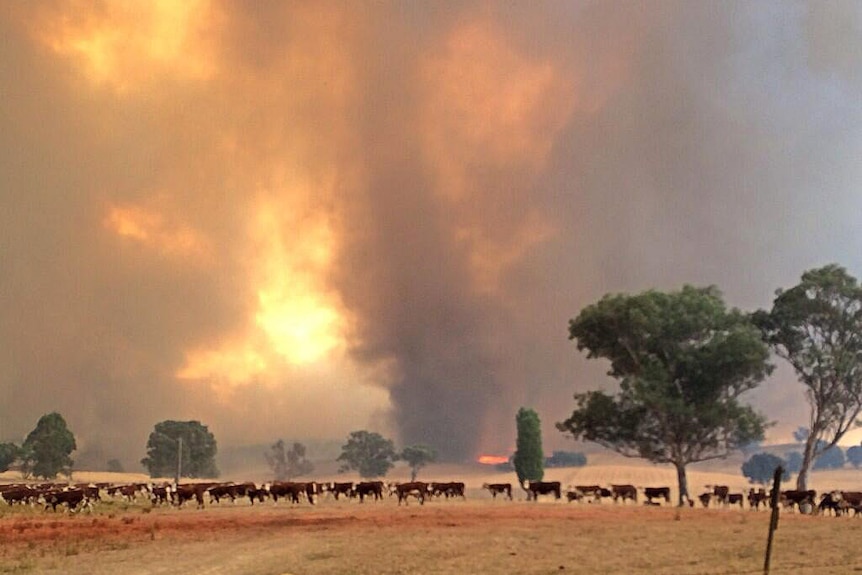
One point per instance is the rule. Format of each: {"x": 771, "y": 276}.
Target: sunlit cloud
{"x": 125, "y": 45}
{"x": 154, "y": 229}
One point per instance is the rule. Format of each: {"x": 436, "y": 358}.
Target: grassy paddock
{"x": 439, "y": 538}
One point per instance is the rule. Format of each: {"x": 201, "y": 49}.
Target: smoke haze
{"x": 294, "y": 220}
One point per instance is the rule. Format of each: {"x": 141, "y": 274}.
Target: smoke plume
{"x": 294, "y": 220}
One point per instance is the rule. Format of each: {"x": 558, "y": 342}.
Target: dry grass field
{"x": 442, "y": 537}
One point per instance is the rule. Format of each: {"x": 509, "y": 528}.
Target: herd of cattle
{"x": 82, "y": 496}
{"x": 836, "y": 502}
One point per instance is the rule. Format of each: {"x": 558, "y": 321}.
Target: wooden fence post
{"x": 773, "y": 519}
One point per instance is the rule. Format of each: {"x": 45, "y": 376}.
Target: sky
{"x": 299, "y": 219}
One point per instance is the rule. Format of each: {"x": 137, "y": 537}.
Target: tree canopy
{"x": 368, "y": 453}
{"x": 682, "y": 361}
{"x": 817, "y": 327}
{"x": 417, "y": 457}
{"x": 199, "y": 448}
{"x": 830, "y": 458}
{"x": 48, "y": 448}
{"x": 287, "y": 463}
{"x": 9, "y": 452}
{"x": 854, "y": 455}
{"x": 760, "y": 468}
{"x": 528, "y": 460}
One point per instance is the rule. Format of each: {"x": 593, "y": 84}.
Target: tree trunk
{"x": 807, "y": 459}
{"x": 683, "y": 483}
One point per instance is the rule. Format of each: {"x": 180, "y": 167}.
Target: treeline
{"x": 556, "y": 459}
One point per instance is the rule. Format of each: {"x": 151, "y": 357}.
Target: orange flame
{"x": 492, "y": 459}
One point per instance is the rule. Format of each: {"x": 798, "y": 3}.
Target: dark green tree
{"x": 854, "y": 456}
{"x": 288, "y": 463}
{"x": 115, "y": 466}
{"x": 9, "y": 453}
{"x": 417, "y": 457}
{"x": 682, "y": 361}
{"x": 528, "y": 460}
{"x": 760, "y": 468}
{"x": 817, "y": 327}
{"x": 199, "y": 449}
{"x": 369, "y": 453}
{"x": 47, "y": 449}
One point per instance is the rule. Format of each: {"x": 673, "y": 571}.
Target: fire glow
{"x": 492, "y": 459}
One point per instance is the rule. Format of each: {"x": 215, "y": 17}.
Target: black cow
{"x": 368, "y": 489}
{"x": 536, "y": 488}
{"x": 657, "y": 493}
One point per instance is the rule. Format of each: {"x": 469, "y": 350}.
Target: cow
{"x": 343, "y": 488}
{"x": 160, "y": 493}
{"x": 292, "y": 490}
{"x": 720, "y": 493}
{"x": 449, "y": 489}
{"x": 624, "y": 492}
{"x": 574, "y": 496}
{"x": 129, "y": 491}
{"x": 92, "y": 491}
{"x": 415, "y": 489}
{"x": 223, "y": 491}
{"x": 19, "y": 494}
{"x": 735, "y": 499}
{"x": 832, "y": 501}
{"x": 368, "y": 489}
{"x": 850, "y": 500}
{"x": 595, "y": 491}
{"x": 796, "y": 498}
{"x": 499, "y": 489}
{"x": 536, "y": 488}
{"x": 705, "y": 498}
{"x": 187, "y": 491}
{"x": 755, "y": 498}
{"x": 657, "y": 493}
{"x": 71, "y": 498}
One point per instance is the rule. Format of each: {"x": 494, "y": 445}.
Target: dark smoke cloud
{"x": 484, "y": 171}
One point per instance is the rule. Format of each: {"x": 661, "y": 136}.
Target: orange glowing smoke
{"x": 492, "y": 459}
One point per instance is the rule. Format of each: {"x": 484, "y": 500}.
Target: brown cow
{"x": 852, "y": 500}
{"x": 71, "y": 498}
{"x": 292, "y": 490}
{"x": 595, "y": 491}
{"x": 796, "y": 498}
{"x": 415, "y": 489}
{"x": 186, "y": 491}
{"x": 19, "y": 494}
{"x": 447, "y": 489}
{"x": 499, "y": 488}
{"x": 624, "y": 492}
